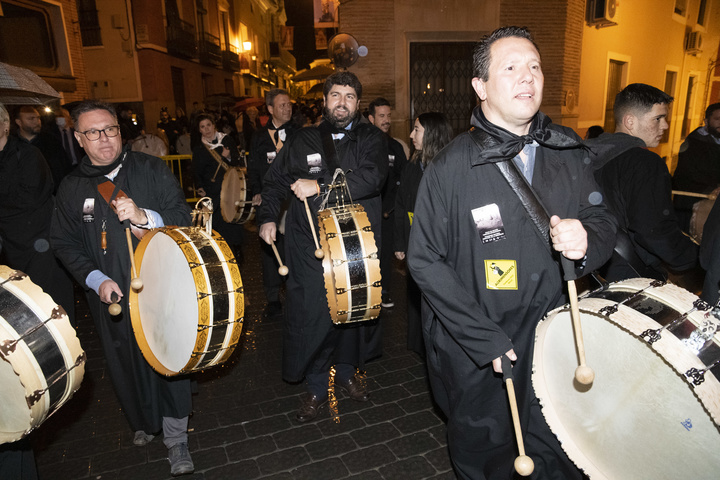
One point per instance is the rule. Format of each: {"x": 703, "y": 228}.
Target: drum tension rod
{"x": 361, "y": 309}
{"x": 222, "y": 323}
{"x": 211, "y": 264}
{"x": 196, "y": 354}
{"x": 340, "y": 291}
{"x": 8, "y": 346}
{"x": 339, "y": 261}
{"x": 37, "y": 394}
{"x": 655, "y": 335}
{"x": 612, "y": 309}
{"x": 202, "y": 295}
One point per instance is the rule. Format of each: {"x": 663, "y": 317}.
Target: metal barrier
{"x": 180, "y": 166}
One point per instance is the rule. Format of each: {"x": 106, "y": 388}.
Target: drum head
{"x": 167, "y": 305}
{"x": 15, "y": 417}
{"x": 639, "y": 419}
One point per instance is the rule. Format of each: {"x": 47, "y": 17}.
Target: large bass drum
{"x": 653, "y": 409}
{"x": 41, "y": 361}
{"x": 351, "y": 264}
{"x": 235, "y": 200}
{"x": 189, "y": 314}
{"x": 700, "y": 212}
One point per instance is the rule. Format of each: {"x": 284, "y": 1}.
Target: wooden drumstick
{"x": 583, "y": 374}
{"x": 114, "y": 309}
{"x": 283, "y": 270}
{"x": 135, "y": 283}
{"x": 524, "y": 465}
{"x": 318, "y": 251}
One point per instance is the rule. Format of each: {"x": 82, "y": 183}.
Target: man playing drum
{"x": 265, "y": 145}
{"x": 312, "y": 344}
{"x": 87, "y": 234}
{"x": 486, "y": 288}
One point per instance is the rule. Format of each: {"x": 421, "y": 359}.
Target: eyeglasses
{"x": 93, "y": 135}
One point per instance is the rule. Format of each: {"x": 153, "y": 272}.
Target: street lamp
{"x": 247, "y": 46}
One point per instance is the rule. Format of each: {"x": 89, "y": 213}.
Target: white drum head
{"x": 168, "y": 302}
{"x": 14, "y": 415}
{"x": 639, "y": 420}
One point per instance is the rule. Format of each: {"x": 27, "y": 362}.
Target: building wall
{"x": 72, "y": 33}
{"x": 387, "y": 27}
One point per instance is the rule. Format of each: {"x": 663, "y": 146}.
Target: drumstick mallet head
{"x": 283, "y": 270}
{"x": 135, "y": 283}
{"x": 524, "y": 465}
{"x": 114, "y": 309}
{"x": 318, "y": 251}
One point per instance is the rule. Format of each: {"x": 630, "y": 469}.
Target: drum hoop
{"x": 236, "y": 215}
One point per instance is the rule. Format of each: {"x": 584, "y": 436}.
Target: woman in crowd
{"x": 431, "y": 132}
{"x": 211, "y": 149}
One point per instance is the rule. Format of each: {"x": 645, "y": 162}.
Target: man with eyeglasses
{"x": 88, "y": 236}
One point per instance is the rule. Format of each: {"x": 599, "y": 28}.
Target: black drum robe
{"x": 309, "y": 334}
{"x": 144, "y": 395}
{"x": 484, "y": 292}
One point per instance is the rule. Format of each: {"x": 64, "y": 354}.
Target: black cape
{"x": 144, "y": 395}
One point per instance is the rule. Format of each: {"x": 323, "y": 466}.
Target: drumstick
{"x": 283, "y": 270}
{"x": 114, "y": 309}
{"x": 524, "y": 465}
{"x": 318, "y": 251}
{"x": 238, "y": 203}
{"x": 583, "y": 373}
{"x": 692, "y": 194}
{"x": 135, "y": 283}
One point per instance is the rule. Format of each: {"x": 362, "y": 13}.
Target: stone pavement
{"x": 243, "y": 425}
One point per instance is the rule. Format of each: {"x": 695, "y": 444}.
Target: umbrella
{"x": 246, "y": 103}
{"x": 321, "y": 72}
{"x": 219, "y": 100}
{"x": 20, "y": 86}
{"x": 316, "y": 91}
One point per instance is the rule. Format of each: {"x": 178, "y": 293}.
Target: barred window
{"x": 89, "y": 23}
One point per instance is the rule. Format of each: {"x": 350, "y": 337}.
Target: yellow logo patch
{"x": 410, "y": 216}
{"x": 501, "y": 274}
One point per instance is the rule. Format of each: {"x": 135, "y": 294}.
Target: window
{"x": 20, "y": 23}
{"x": 89, "y": 23}
{"x": 670, "y": 80}
{"x": 688, "y": 107}
{"x": 616, "y": 71}
{"x": 701, "y": 12}
{"x": 681, "y": 7}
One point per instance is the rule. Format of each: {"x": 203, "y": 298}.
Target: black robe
{"x": 710, "y": 256}
{"x": 26, "y": 206}
{"x": 309, "y": 334}
{"x": 144, "y": 395}
{"x": 637, "y": 188}
{"x": 467, "y": 322}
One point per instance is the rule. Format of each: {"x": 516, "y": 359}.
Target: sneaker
{"x": 141, "y": 438}
{"x": 180, "y": 461}
{"x": 387, "y": 302}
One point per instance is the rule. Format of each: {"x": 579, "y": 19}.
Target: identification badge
{"x": 501, "y": 275}
{"x": 89, "y": 210}
{"x": 314, "y": 161}
{"x": 391, "y": 160}
{"x": 271, "y": 156}
{"x": 488, "y": 223}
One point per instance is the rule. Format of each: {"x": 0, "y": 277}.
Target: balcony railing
{"x": 210, "y": 53}
{"x": 231, "y": 59}
{"x": 181, "y": 39}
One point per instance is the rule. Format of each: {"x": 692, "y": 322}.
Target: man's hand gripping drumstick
{"x": 304, "y": 188}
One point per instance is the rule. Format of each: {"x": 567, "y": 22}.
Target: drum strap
{"x": 216, "y": 156}
{"x": 109, "y": 191}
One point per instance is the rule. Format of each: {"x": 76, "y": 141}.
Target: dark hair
{"x": 481, "y": 54}
{"x": 594, "y": 131}
{"x": 89, "y": 106}
{"x": 270, "y": 95}
{"x": 438, "y": 133}
{"x": 378, "y": 102}
{"x": 711, "y": 109}
{"x": 201, "y": 117}
{"x": 638, "y": 98}
{"x": 344, "y": 79}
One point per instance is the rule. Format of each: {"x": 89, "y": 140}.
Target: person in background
{"x": 431, "y": 132}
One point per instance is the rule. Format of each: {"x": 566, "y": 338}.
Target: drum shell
{"x": 41, "y": 360}
{"x": 235, "y": 188}
{"x": 351, "y": 266}
{"x": 198, "y": 299}
{"x": 642, "y": 417}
